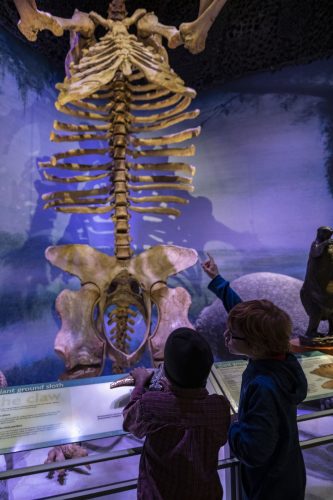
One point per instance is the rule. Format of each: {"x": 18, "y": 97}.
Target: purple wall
{"x": 264, "y": 183}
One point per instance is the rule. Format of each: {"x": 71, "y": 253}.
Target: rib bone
{"x": 167, "y": 139}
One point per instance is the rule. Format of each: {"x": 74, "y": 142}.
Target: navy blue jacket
{"x": 265, "y": 438}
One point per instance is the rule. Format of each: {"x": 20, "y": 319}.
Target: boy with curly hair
{"x": 265, "y": 437}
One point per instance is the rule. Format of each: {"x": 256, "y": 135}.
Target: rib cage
{"x": 124, "y": 92}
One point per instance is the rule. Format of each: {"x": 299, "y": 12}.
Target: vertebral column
{"x": 120, "y": 121}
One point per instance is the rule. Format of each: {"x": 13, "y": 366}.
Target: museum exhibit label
{"x": 318, "y": 369}
{"x": 41, "y": 415}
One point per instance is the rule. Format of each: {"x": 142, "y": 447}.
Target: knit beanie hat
{"x": 187, "y": 358}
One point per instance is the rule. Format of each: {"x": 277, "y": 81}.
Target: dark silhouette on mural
{"x": 317, "y": 290}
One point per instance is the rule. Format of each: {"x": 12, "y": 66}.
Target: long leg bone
{"x": 149, "y": 24}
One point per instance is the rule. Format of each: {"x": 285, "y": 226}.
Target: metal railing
{"x": 121, "y": 486}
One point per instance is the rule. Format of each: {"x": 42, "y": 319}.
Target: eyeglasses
{"x": 234, "y": 337}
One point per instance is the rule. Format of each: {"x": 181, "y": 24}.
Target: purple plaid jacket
{"x": 184, "y": 430}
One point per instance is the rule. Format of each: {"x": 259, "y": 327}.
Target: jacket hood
{"x": 287, "y": 374}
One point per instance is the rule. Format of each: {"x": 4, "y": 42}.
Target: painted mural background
{"x": 264, "y": 183}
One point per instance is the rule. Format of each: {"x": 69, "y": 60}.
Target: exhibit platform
{"x": 296, "y": 346}
{"x": 115, "y": 458}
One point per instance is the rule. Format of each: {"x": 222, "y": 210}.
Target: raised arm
{"x": 33, "y": 20}
{"x": 150, "y": 25}
{"x": 204, "y": 4}
{"x": 219, "y": 285}
{"x": 194, "y": 34}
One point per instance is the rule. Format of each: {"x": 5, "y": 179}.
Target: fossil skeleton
{"x": 192, "y": 34}
{"x": 120, "y": 90}
{"x": 64, "y": 452}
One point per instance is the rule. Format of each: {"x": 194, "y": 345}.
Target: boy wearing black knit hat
{"x": 184, "y": 425}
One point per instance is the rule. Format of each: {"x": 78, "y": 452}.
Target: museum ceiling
{"x": 248, "y": 35}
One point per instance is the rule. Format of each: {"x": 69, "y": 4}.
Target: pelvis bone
{"x": 98, "y": 319}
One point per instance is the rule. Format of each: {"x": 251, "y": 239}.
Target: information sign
{"x": 318, "y": 369}
{"x": 40, "y": 415}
